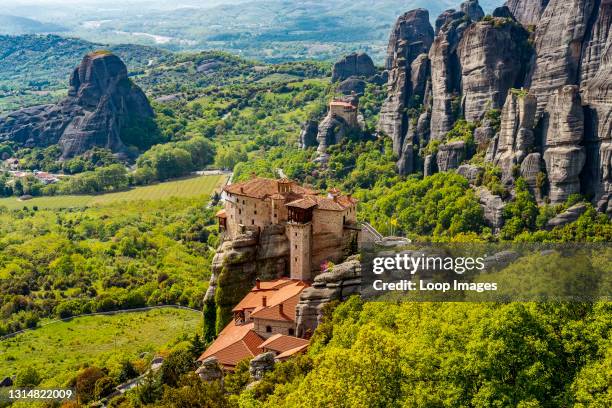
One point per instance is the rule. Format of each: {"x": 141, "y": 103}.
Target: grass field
{"x": 58, "y": 350}
{"x": 190, "y": 187}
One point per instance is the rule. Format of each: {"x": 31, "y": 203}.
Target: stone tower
{"x": 300, "y": 239}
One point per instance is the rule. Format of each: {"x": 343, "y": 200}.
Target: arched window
{"x": 268, "y": 329}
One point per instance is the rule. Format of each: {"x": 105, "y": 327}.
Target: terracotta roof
{"x": 286, "y": 354}
{"x": 254, "y": 298}
{"x": 221, "y": 214}
{"x": 305, "y": 203}
{"x": 263, "y": 187}
{"x": 281, "y": 343}
{"x": 342, "y": 103}
{"x": 287, "y": 296}
{"x": 234, "y": 343}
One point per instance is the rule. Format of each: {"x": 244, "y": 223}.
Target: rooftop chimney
{"x": 264, "y": 301}
{"x": 257, "y": 283}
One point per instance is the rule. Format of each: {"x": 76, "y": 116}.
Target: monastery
{"x": 319, "y": 229}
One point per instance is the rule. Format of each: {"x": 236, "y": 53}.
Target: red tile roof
{"x": 263, "y": 187}
{"x": 288, "y": 296}
{"x": 234, "y": 343}
{"x": 338, "y": 203}
{"x": 254, "y": 298}
{"x": 343, "y": 104}
{"x": 281, "y": 343}
{"x": 296, "y": 350}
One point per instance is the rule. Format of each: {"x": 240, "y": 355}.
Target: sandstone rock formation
{"x": 331, "y": 130}
{"x": 239, "y": 262}
{"x": 356, "y": 64}
{"x": 210, "y": 370}
{"x": 352, "y": 85}
{"x": 492, "y": 55}
{"x": 470, "y": 172}
{"x": 516, "y": 137}
{"x": 446, "y": 75}
{"x": 472, "y": 9}
{"x": 568, "y": 216}
{"x": 260, "y": 365}
{"x": 558, "y": 46}
{"x": 450, "y": 155}
{"x": 527, "y": 12}
{"x": 101, "y": 101}
{"x": 337, "y": 283}
{"x": 308, "y": 136}
{"x": 563, "y": 153}
{"x": 408, "y": 67}
{"x": 493, "y": 207}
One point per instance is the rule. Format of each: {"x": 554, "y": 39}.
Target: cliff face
{"x": 527, "y": 12}
{"x": 492, "y": 56}
{"x": 239, "y": 262}
{"x": 100, "y": 102}
{"x": 554, "y": 129}
{"x": 558, "y": 46}
{"x": 408, "y": 67}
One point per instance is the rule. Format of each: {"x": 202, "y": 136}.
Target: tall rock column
{"x": 492, "y": 55}
{"x": 408, "y": 67}
{"x": 516, "y": 137}
{"x": 446, "y": 74}
{"x": 563, "y": 153}
{"x": 597, "y": 175}
{"x": 558, "y": 45}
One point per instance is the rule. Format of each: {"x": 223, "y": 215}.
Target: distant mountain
{"x": 266, "y": 30}
{"x": 21, "y": 25}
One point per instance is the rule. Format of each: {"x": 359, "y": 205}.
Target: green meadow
{"x": 188, "y": 187}
{"x": 57, "y": 351}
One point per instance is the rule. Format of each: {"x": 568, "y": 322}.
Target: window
{"x": 255, "y": 212}
{"x": 296, "y": 234}
{"x": 252, "y": 222}
{"x": 295, "y": 246}
{"x": 268, "y": 329}
{"x": 291, "y": 332}
{"x": 296, "y": 259}
{"x": 242, "y": 201}
{"x": 239, "y": 211}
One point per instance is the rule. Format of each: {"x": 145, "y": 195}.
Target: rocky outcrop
{"x": 446, "y": 75}
{"x": 356, "y": 64}
{"x": 409, "y": 43}
{"x": 492, "y": 56}
{"x": 564, "y": 156}
{"x": 101, "y": 102}
{"x": 516, "y": 136}
{"x": 558, "y": 44}
{"x": 567, "y": 217}
{"x": 596, "y": 89}
{"x": 450, "y": 155}
{"x": 493, "y": 207}
{"x": 470, "y": 172}
{"x": 352, "y": 85}
{"x": 527, "y": 12}
{"x": 239, "y": 262}
{"x": 331, "y": 130}
{"x": 210, "y": 370}
{"x": 595, "y": 42}
{"x": 308, "y": 135}
{"x": 260, "y": 365}
{"x": 472, "y": 9}
{"x": 532, "y": 170}
{"x": 337, "y": 283}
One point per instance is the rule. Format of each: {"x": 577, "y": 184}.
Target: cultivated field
{"x": 189, "y": 187}
{"x": 58, "y": 350}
